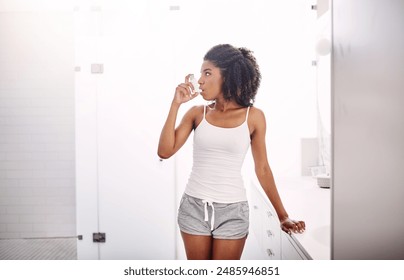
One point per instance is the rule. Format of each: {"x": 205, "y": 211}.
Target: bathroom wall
{"x": 37, "y": 189}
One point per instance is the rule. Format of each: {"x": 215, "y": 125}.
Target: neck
{"x": 225, "y": 105}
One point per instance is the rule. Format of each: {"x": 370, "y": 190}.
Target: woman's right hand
{"x": 185, "y": 92}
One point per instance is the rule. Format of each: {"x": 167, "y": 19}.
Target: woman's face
{"x": 210, "y": 81}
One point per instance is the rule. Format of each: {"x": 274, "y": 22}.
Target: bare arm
{"x": 171, "y": 138}
{"x": 264, "y": 173}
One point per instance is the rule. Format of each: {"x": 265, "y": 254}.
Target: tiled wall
{"x": 37, "y": 190}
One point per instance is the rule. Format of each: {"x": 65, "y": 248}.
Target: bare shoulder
{"x": 256, "y": 113}
{"x": 256, "y": 120}
{"x": 257, "y": 116}
{"x": 194, "y": 114}
{"x": 193, "y": 111}
{"x": 197, "y": 109}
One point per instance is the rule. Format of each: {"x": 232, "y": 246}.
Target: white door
{"x": 123, "y": 189}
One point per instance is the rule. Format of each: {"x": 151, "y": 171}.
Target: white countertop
{"x": 305, "y": 201}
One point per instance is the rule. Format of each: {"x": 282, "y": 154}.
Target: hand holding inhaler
{"x": 187, "y": 91}
{"x": 193, "y": 81}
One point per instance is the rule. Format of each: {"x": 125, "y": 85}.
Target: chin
{"x": 205, "y": 98}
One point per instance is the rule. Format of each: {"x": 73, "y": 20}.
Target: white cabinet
{"x": 271, "y": 233}
{"x": 291, "y": 249}
{"x": 273, "y": 242}
{"x": 265, "y": 225}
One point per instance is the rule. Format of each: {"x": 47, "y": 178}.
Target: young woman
{"x": 213, "y": 213}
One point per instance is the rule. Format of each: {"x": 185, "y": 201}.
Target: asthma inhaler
{"x": 194, "y": 83}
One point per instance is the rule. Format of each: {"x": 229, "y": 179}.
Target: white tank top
{"x": 218, "y": 157}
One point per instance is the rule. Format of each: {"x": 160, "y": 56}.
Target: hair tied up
{"x": 240, "y": 72}
{"x": 247, "y": 54}
{"x": 244, "y": 51}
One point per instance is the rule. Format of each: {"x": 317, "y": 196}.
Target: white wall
{"x": 37, "y": 194}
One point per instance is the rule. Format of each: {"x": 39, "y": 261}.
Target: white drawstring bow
{"x": 206, "y": 203}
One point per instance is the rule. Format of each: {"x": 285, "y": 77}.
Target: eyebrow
{"x": 207, "y": 69}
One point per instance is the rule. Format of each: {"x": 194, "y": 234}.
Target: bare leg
{"x": 197, "y": 247}
{"x": 228, "y": 249}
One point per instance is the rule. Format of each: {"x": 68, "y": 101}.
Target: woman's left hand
{"x": 289, "y": 226}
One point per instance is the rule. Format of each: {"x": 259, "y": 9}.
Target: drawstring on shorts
{"x": 206, "y": 204}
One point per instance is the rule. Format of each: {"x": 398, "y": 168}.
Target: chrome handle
{"x": 269, "y": 233}
{"x": 270, "y": 253}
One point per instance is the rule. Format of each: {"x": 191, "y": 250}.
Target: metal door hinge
{"x": 270, "y": 253}
{"x": 99, "y": 237}
{"x": 270, "y": 234}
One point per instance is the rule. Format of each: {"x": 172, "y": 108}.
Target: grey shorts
{"x": 219, "y": 220}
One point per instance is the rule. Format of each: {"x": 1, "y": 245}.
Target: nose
{"x": 200, "y": 81}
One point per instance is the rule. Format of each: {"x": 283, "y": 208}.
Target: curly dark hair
{"x": 240, "y": 72}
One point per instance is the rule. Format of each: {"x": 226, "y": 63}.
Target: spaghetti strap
{"x": 248, "y": 110}
{"x": 204, "y": 111}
